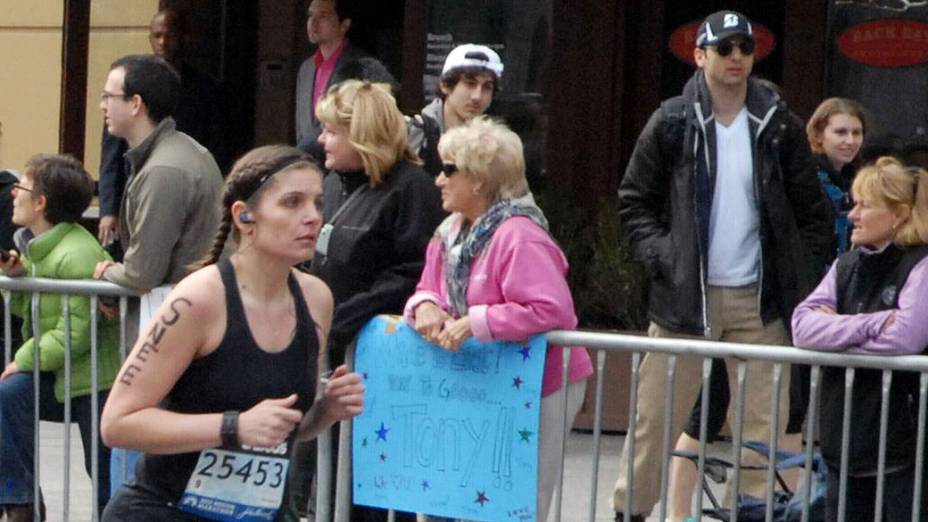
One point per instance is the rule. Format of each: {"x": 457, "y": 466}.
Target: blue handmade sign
{"x": 447, "y": 433}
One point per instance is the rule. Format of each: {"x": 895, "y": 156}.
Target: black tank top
{"x": 237, "y": 375}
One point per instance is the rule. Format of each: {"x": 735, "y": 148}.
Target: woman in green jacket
{"x": 49, "y": 199}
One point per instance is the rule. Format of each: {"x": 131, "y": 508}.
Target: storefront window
{"x": 878, "y": 55}
{"x": 519, "y": 30}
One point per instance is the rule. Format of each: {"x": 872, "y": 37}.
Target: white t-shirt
{"x": 734, "y": 224}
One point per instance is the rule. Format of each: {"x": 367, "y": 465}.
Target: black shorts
{"x": 720, "y": 398}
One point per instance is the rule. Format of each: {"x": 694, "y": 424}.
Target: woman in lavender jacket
{"x": 872, "y": 301}
{"x": 493, "y": 272}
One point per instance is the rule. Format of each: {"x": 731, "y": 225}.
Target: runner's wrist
{"x": 228, "y": 431}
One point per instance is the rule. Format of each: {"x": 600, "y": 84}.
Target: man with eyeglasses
{"x": 170, "y": 208}
{"x": 720, "y": 201}
{"x": 198, "y": 114}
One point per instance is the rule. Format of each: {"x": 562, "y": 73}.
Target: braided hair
{"x": 248, "y": 179}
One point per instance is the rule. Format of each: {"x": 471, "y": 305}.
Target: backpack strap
{"x": 428, "y": 152}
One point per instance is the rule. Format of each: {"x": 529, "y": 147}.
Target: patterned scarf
{"x": 460, "y": 251}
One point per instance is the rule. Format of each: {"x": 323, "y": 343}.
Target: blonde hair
{"x": 489, "y": 151}
{"x": 903, "y": 190}
{"x": 825, "y": 110}
{"x": 376, "y": 128}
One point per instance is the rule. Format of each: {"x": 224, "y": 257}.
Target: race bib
{"x": 243, "y": 485}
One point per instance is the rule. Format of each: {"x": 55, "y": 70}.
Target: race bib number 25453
{"x": 235, "y": 485}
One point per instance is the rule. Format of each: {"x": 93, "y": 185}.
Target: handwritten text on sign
{"x": 445, "y": 433}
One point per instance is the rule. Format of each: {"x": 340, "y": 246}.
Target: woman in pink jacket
{"x": 493, "y": 272}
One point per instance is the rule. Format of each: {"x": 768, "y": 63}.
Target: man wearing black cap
{"x": 719, "y": 200}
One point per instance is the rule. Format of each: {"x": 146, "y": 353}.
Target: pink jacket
{"x": 517, "y": 288}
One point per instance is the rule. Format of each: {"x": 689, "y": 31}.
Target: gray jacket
{"x": 170, "y": 209}
{"x": 353, "y": 63}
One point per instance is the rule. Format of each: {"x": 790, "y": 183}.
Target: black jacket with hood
{"x": 666, "y": 199}
{"x": 376, "y": 250}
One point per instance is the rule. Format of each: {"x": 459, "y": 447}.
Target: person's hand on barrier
{"x": 455, "y": 333}
{"x": 106, "y": 230}
{"x": 429, "y": 321}
{"x": 10, "y": 263}
{"x": 100, "y": 269}
{"x": 343, "y": 396}
{"x": 9, "y": 370}
{"x": 268, "y": 423}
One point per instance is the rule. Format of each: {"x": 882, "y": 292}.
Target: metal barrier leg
{"x": 36, "y": 334}
{"x": 811, "y": 418}
{"x": 597, "y": 431}
{"x": 343, "y": 471}
{"x": 703, "y": 429}
{"x": 881, "y": 453}
{"x": 773, "y": 440}
{"x": 845, "y": 443}
{"x": 94, "y": 411}
{"x": 324, "y": 461}
{"x": 565, "y": 382}
{"x": 630, "y": 436}
{"x": 666, "y": 444}
{"x": 737, "y": 440}
{"x": 919, "y": 447}
{"x": 66, "y": 311}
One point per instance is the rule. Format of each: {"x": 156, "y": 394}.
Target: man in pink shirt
{"x": 335, "y": 60}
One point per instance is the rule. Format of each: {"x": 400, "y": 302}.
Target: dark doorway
{"x": 223, "y": 44}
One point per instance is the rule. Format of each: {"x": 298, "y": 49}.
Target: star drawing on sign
{"x": 481, "y": 498}
{"x": 528, "y": 405}
{"x": 382, "y": 432}
{"x": 525, "y": 434}
{"x": 383, "y": 457}
{"x": 364, "y": 442}
{"x": 425, "y": 485}
{"x": 517, "y": 383}
{"x": 526, "y": 353}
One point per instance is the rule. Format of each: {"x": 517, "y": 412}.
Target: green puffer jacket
{"x": 66, "y": 251}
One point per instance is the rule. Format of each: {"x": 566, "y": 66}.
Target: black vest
{"x": 871, "y": 283}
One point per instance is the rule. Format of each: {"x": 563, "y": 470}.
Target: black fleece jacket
{"x": 377, "y": 248}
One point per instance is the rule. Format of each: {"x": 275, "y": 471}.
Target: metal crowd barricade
{"x": 67, "y": 289}
{"x": 600, "y": 344}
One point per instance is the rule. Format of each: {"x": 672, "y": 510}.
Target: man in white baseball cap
{"x": 469, "y": 79}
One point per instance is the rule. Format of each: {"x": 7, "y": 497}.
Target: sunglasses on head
{"x": 725, "y": 47}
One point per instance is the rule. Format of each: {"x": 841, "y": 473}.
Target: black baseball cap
{"x": 721, "y": 25}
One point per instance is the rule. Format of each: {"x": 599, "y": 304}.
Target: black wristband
{"x": 229, "y": 430}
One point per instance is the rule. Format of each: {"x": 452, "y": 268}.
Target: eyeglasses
{"x": 20, "y": 187}
{"x": 105, "y": 96}
{"x": 448, "y": 169}
{"x": 725, "y": 47}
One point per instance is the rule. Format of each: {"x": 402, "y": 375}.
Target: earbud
{"x": 245, "y": 217}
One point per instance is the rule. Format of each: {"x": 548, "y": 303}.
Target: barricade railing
{"x": 601, "y": 343}
{"x": 67, "y": 289}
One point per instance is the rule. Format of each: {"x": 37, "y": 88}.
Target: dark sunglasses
{"x": 725, "y": 47}
{"x": 449, "y": 169}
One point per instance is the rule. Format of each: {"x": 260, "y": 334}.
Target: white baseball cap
{"x": 473, "y": 55}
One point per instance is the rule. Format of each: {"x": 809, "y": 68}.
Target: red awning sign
{"x": 886, "y": 43}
